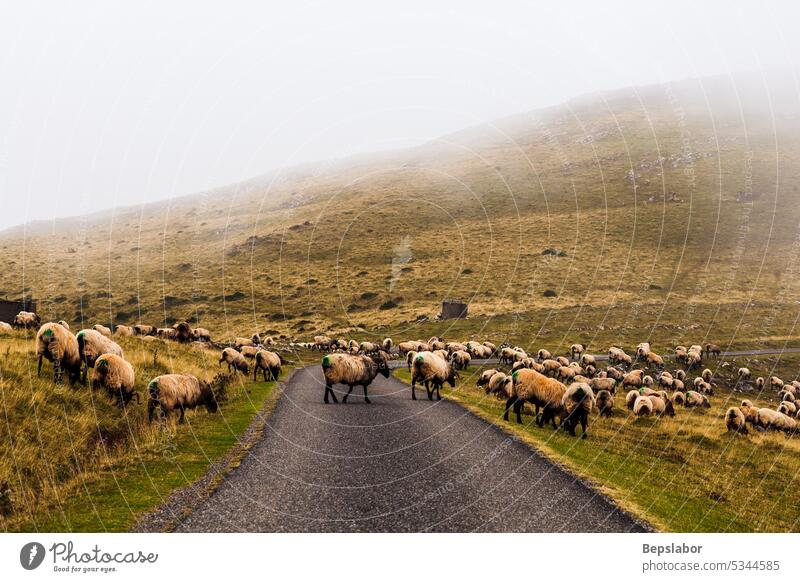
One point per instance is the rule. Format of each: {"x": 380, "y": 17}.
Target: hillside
{"x": 675, "y": 206}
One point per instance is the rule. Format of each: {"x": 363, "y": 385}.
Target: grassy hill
{"x": 673, "y": 211}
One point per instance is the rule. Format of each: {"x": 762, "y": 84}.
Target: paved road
{"x": 394, "y": 465}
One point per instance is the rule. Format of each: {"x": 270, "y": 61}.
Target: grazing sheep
{"x": 451, "y": 347}
{"x": 787, "y": 395}
{"x": 501, "y": 385}
{"x": 696, "y": 400}
{"x": 123, "y": 331}
{"x": 166, "y": 333}
{"x": 201, "y": 334}
{"x": 577, "y": 403}
{"x": 712, "y": 350}
{"x": 551, "y": 367}
{"x": 63, "y": 324}
{"x": 491, "y": 347}
{"x": 706, "y": 375}
{"x": 540, "y": 391}
{"x": 576, "y": 350}
{"x": 648, "y": 381}
{"x": 630, "y": 398}
{"x": 433, "y": 371}
{"x": 607, "y": 384}
{"x": 643, "y": 406}
{"x": 367, "y": 348}
{"x": 678, "y": 385}
{"x": 565, "y": 374}
{"x": 5, "y": 327}
{"x": 486, "y": 375}
{"x": 735, "y": 420}
{"x": 543, "y": 355}
{"x": 704, "y": 388}
{"x": 243, "y": 341}
{"x": 787, "y": 408}
{"x": 563, "y": 361}
{"x": 387, "y": 344}
{"x": 588, "y": 360}
{"x": 694, "y": 359}
{"x": 681, "y": 354}
{"x": 634, "y": 378}
{"x": 760, "y": 382}
{"x": 142, "y": 329}
{"x": 321, "y": 342}
{"x": 248, "y": 351}
{"x": 269, "y": 363}
{"x": 183, "y": 332}
{"x": 775, "y": 383}
{"x": 353, "y": 346}
{"x": 605, "y": 402}
{"x": 769, "y": 419}
{"x": 352, "y": 370}
{"x": 235, "y": 361}
{"x": 642, "y": 350}
{"x": 92, "y": 344}
{"x": 654, "y": 360}
{"x": 679, "y": 398}
{"x": 59, "y": 346}
{"x": 665, "y": 380}
{"x": 662, "y": 405}
{"x": 744, "y": 374}
{"x": 117, "y": 377}
{"x": 680, "y": 375}
{"x": 26, "y": 320}
{"x": 618, "y": 357}
{"x": 178, "y": 392}
{"x": 460, "y": 360}
{"x": 102, "y": 329}
{"x": 525, "y": 363}
{"x": 612, "y": 372}
{"x": 506, "y": 356}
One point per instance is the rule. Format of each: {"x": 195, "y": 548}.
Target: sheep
{"x": 123, "y": 331}
{"x": 679, "y": 398}
{"x": 630, "y": 398}
{"x": 665, "y": 380}
{"x": 59, "y": 346}
{"x": 143, "y": 329}
{"x": 694, "y": 359}
{"x": 748, "y": 410}
{"x": 642, "y": 406}
{"x": 617, "y": 356}
{"x": 633, "y": 378}
{"x": 102, "y": 329}
{"x": 605, "y": 402}
{"x": 769, "y": 419}
{"x": 201, "y": 334}
{"x": 562, "y": 360}
{"x": 501, "y": 385}
{"x": 460, "y": 360}
{"x": 506, "y": 356}
{"x": 588, "y": 360}
{"x": 551, "y": 367}
{"x": 760, "y": 383}
{"x": 576, "y": 350}
{"x": 5, "y": 327}
{"x": 367, "y": 348}
{"x": 654, "y": 360}
{"x": 786, "y": 395}
{"x": 442, "y": 354}
{"x": 678, "y": 386}
{"x": 543, "y": 355}
{"x": 662, "y": 405}
{"x": 117, "y": 377}
{"x": 492, "y": 348}
{"x": 539, "y": 390}
{"x": 352, "y": 370}
{"x": 235, "y": 360}
{"x": 178, "y": 392}
{"x": 166, "y": 333}
{"x": 648, "y": 381}
{"x": 787, "y": 408}
{"x": 706, "y": 375}
{"x": 565, "y": 374}
{"x": 486, "y": 375}
{"x": 248, "y": 351}
{"x": 387, "y": 344}
{"x": 450, "y": 347}
{"x": 183, "y": 332}
{"x": 433, "y": 371}
{"x": 696, "y": 400}
{"x": 321, "y": 342}
{"x": 680, "y": 374}
{"x": 704, "y": 388}
{"x": 524, "y": 363}
{"x": 92, "y": 344}
{"x": 775, "y": 383}
{"x": 681, "y": 354}
{"x": 607, "y": 384}
{"x": 590, "y": 371}
{"x": 713, "y": 350}
{"x": 642, "y": 350}
{"x": 64, "y": 324}
{"x": 410, "y": 359}
{"x": 269, "y": 363}
{"x": 735, "y": 420}
{"x": 577, "y": 403}
{"x": 744, "y": 374}
{"x": 26, "y": 320}
{"x": 353, "y": 346}
{"x": 612, "y": 372}
{"x": 244, "y": 341}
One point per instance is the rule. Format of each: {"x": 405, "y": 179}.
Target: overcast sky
{"x": 107, "y": 104}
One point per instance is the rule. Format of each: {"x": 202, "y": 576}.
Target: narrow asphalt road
{"x": 395, "y": 465}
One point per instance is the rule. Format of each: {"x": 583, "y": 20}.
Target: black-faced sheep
{"x": 486, "y": 375}
{"x": 269, "y": 363}
{"x": 410, "y": 359}
{"x": 178, "y": 392}
{"x": 634, "y": 379}
{"x": 59, "y": 346}
{"x": 654, "y": 360}
{"x": 576, "y": 350}
{"x": 678, "y": 399}
{"x": 769, "y": 419}
{"x": 706, "y": 375}
{"x": 387, "y": 344}
{"x": 460, "y": 360}
{"x": 577, "y": 403}
{"x": 543, "y": 355}
{"x": 713, "y": 350}
{"x": 605, "y": 402}
{"x": 662, "y": 405}
{"x": 642, "y": 406}
{"x": 696, "y": 400}
{"x": 92, "y": 344}
{"x": 143, "y": 329}
{"x": 165, "y": 333}
{"x": 102, "y": 329}
{"x": 787, "y": 408}
{"x": 433, "y": 371}
{"x": 352, "y": 370}
{"x": 235, "y": 360}
{"x": 506, "y": 356}
{"x": 201, "y": 334}
{"x": 735, "y": 420}
{"x": 541, "y": 391}
{"x": 116, "y": 376}
{"x": 744, "y": 374}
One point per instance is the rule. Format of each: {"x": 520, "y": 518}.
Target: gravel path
{"x": 395, "y": 465}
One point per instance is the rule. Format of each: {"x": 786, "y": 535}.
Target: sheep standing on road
{"x": 433, "y": 371}
{"x": 352, "y": 370}
{"x": 59, "y": 346}
{"x": 178, "y": 392}
{"x": 116, "y": 376}
{"x": 576, "y": 350}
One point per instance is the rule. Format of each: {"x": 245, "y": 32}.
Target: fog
{"x": 105, "y": 105}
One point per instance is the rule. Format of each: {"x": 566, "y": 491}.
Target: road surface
{"x": 395, "y": 465}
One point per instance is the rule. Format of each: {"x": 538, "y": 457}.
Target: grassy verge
{"x": 683, "y": 474}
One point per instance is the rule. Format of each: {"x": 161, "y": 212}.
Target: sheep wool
{"x": 539, "y": 390}
{"x": 352, "y": 370}
{"x": 269, "y": 363}
{"x": 116, "y": 376}
{"x": 59, "y": 346}
{"x": 433, "y": 371}
{"x": 735, "y": 420}
{"x": 178, "y": 392}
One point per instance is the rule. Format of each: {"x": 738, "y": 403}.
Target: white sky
{"x": 107, "y": 104}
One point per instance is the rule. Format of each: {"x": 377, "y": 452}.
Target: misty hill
{"x": 670, "y": 210}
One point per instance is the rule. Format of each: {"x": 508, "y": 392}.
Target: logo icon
{"x": 31, "y": 555}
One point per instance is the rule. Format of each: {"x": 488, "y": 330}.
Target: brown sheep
{"x": 633, "y": 379}
{"x": 91, "y": 345}
{"x": 117, "y": 377}
{"x": 735, "y": 420}
{"x": 59, "y": 346}
{"x": 352, "y": 370}
{"x": 605, "y": 402}
{"x": 235, "y": 360}
{"x": 577, "y": 403}
{"x": 269, "y": 363}
{"x": 539, "y": 390}
{"x": 178, "y": 392}
{"x": 608, "y": 384}
{"x": 486, "y": 375}
{"x": 183, "y": 332}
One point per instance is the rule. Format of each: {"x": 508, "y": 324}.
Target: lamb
{"x": 680, "y": 375}
{"x": 713, "y": 350}
{"x": 486, "y": 375}
{"x": 735, "y": 420}
{"x": 352, "y": 370}
{"x": 123, "y": 331}
{"x": 576, "y": 350}
{"x": 117, "y": 377}
{"x": 648, "y": 381}
{"x": 460, "y": 360}
{"x": 235, "y": 360}
{"x": 142, "y": 329}
{"x": 539, "y": 390}
{"x": 59, "y": 346}
{"x": 26, "y": 320}
{"x": 605, "y": 402}
{"x": 179, "y": 392}
{"x": 92, "y": 344}
{"x": 269, "y": 363}
{"x": 102, "y": 329}
{"x": 643, "y": 406}
{"x": 577, "y": 403}
{"x": 433, "y": 371}
{"x": 696, "y": 400}
{"x": 768, "y": 419}
{"x": 760, "y": 383}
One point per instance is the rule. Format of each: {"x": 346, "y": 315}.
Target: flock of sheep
{"x": 74, "y": 355}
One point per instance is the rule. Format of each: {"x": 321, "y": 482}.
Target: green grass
{"x": 682, "y": 474}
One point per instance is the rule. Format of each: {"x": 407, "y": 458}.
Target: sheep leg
{"x": 429, "y": 391}
{"x": 151, "y": 408}
{"x": 39, "y": 369}
{"x": 181, "y": 420}
{"x": 366, "y": 399}
{"x": 413, "y": 390}
{"x": 344, "y": 398}
{"x": 329, "y": 388}
{"x": 518, "y": 404}
{"x": 509, "y": 404}
{"x": 255, "y": 374}
{"x": 438, "y": 395}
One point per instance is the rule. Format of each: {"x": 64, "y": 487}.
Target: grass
{"x": 76, "y": 463}
{"x": 682, "y": 474}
